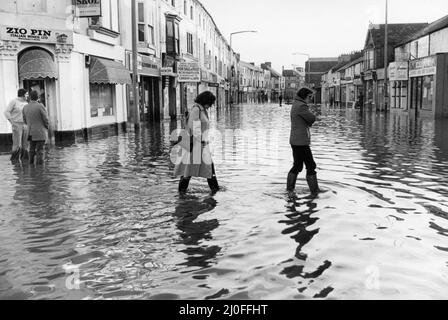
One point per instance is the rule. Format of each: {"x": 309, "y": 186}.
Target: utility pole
{"x": 386, "y": 61}
{"x": 135, "y": 89}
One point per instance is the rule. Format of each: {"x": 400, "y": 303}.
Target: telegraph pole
{"x": 135, "y": 88}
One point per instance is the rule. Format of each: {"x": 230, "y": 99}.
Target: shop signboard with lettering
{"x": 423, "y": 67}
{"x": 40, "y": 35}
{"x": 399, "y": 71}
{"x": 189, "y": 72}
{"x": 88, "y": 8}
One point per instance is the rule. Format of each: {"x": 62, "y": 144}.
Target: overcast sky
{"x": 321, "y": 28}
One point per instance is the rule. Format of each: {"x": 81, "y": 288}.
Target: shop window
{"x": 101, "y": 100}
{"x": 428, "y": 92}
{"x": 404, "y": 95}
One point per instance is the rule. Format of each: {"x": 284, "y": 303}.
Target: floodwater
{"x": 103, "y": 220}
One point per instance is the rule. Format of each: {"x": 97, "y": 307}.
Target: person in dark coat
{"x": 36, "y": 118}
{"x": 301, "y": 121}
{"x": 280, "y": 99}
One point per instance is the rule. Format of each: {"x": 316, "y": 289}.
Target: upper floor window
{"x": 172, "y": 36}
{"x": 109, "y": 19}
{"x": 141, "y": 22}
{"x": 189, "y": 43}
{"x": 185, "y": 7}
{"x": 173, "y": 3}
{"x": 191, "y": 13}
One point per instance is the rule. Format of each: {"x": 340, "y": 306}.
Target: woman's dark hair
{"x": 304, "y": 92}
{"x": 205, "y": 98}
{"x": 34, "y": 96}
{"x": 21, "y": 93}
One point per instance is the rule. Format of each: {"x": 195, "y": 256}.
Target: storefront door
{"x": 44, "y": 88}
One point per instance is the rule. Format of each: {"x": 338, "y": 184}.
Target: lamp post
{"x": 309, "y": 64}
{"x": 231, "y": 51}
{"x": 135, "y": 87}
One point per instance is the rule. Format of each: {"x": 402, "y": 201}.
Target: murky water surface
{"x": 103, "y": 220}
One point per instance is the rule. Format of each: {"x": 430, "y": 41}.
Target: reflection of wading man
{"x": 301, "y": 121}
{"x": 196, "y": 158}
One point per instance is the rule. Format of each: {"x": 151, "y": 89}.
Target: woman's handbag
{"x": 185, "y": 139}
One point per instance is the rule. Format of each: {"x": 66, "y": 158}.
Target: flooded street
{"x": 107, "y": 213}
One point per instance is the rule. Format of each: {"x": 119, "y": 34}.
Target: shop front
{"x": 359, "y": 92}
{"x": 33, "y": 58}
{"x": 149, "y": 71}
{"x": 369, "y": 89}
{"x": 398, "y": 85}
{"x": 171, "y": 107}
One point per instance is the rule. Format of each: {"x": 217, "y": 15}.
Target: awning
{"x": 36, "y": 64}
{"x": 108, "y": 71}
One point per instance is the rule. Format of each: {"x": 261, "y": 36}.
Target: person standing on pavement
{"x": 196, "y": 158}
{"x": 14, "y": 115}
{"x": 36, "y": 118}
{"x": 280, "y": 99}
{"x": 301, "y": 121}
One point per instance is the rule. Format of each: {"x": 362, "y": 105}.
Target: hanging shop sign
{"x": 189, "y": 72}
{"x": 423, "y": 67}
{"x": 88, "y": 8}
{"x": 398, "y": 71}
{"x": 41, "y": 35}
{"x": 167, "y": 72}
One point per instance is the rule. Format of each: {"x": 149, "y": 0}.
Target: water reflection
{"x": 110, "y": 209}
{"x": 195, "y": 234}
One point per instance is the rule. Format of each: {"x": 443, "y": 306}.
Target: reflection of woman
{"x": 196, "y": 161}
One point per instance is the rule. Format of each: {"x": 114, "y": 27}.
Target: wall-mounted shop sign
{"x": 189, "y": 72}
{"x": 87, "y": 8}
{"x": 41, "y": 35}
{"x": 423, "y": 67}
{"x": 213, "y": 85}
{"x": 399, "y": 71}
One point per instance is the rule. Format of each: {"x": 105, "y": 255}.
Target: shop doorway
{"x": 44, "y": 88}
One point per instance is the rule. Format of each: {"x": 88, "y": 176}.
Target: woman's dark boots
{"x": 213, "y": 184}
{"x": 291, "y": 182}
{"x": 313, "y": 184}
{"x": 184, "y": 183}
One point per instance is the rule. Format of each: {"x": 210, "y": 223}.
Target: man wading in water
{"x": 301, "y": 121}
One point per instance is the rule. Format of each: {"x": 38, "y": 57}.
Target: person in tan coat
{"x": 36, "y": 118}
{"x": 302, "y": 120}
{"x": 196, "y": 158}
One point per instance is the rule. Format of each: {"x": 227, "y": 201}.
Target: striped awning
{"x": 108, "y": 71}
{"x": 36, "y": 64}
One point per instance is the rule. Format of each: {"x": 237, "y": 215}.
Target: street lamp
{"x": 231, "y": 50}
{"x": 309, "y": 64}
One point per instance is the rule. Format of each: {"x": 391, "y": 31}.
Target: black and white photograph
{"x": 223, "y": 154}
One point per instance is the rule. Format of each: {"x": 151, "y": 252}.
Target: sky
{"x": 321, "y": 28}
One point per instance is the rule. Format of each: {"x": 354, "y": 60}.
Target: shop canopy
{"x": 36, "y": 64}
{"x": 108, "y": 71}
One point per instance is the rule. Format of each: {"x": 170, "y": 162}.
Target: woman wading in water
{"x": 196, "y": 158}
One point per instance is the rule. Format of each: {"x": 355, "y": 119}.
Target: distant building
{"x": 293, "y": 82}
{"x": 418, "y": 77}
{"x": 314, "y": 69}
{"x": 374, "y": 71}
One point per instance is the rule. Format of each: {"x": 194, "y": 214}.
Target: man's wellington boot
{"x": 313, "y": 184}
{"x": 291, "y": 182}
